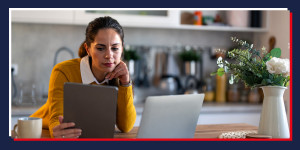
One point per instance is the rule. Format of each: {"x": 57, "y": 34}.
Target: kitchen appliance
{"x": 191, "y": 84}
{"x": 172, "y": 84}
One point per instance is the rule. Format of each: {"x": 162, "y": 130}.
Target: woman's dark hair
{"x": 93, "y": 28}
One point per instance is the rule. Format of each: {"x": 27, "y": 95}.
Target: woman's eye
{"x": 100, "y": 49}
{"x": 115, "y": 49}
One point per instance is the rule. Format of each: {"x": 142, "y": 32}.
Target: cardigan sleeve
{"x": 126, "y": 113}
{"x": 55, "y": 97}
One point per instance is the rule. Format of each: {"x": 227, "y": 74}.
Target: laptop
{"x": 92, "y": 108}
{"x": 173, "y": 116}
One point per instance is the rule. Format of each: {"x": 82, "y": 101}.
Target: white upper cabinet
{"x": 170, "y": 19}
{"x": 132, "y": 18}
{"x": 43, "y": 16}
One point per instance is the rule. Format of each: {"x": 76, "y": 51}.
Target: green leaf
{"x": 220, "y": 71}
{"x": 268, "y": 81}
{"x": 213, "y": 73}
{"x": 264, "y": 82}
{"x": 276, "y": 52}
{"x": 267, "y": 57}
{"x": 287, "y": 84}
{"x": 281, "y": 82}
{"x": 279, "y": 79}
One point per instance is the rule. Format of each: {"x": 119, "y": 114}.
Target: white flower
{"x": 278, "y": 66}
{"x": 220, "y": 62}
{"x": 231, "y": 79}
{"x": 226, "y": 69}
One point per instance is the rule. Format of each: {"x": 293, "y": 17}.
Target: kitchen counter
{"x": 211, "y": 113}
{"x": 212, "y": 107}
{"x": 207, "y": 108}
{"x": 202, "y": 131}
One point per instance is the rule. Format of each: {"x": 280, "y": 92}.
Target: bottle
{"x": 221, "y": 88}
{"x": 244, "y": 95}
{"x": 198, "y": 18}
{"x": 233, "y": 94}
{"x": 208, "y": 90}
{"x": 254, "y": 96}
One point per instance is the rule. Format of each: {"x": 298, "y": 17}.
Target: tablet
{"x": 92, "y": 108}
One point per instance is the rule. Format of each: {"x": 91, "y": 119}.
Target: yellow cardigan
{"x": 69, "y": 71}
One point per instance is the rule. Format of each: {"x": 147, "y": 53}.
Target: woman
{"x": 99, "y": 63}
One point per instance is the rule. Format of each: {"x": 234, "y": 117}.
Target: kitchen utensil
{"x": 272, "y": 42}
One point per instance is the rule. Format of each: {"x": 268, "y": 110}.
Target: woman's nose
{"x": 108, "y": 54}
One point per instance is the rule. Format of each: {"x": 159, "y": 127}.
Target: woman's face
{"x": 105, "y": 51}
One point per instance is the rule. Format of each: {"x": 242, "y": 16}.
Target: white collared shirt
{"x": 87, "y": 76}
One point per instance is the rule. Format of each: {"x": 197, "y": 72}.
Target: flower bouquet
{"x": 253, "y": 69}
{"x": 266, "y": 70}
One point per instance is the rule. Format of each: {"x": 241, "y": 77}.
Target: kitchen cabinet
{"x": 42, "y": 16}
{"x": 167, "y": 18}
{"x": 170, "y": 19}
{"x": 83, "y": 17}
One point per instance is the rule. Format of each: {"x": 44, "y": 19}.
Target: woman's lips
{"x": 108, "y": 64}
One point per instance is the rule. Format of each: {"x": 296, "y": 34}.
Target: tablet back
{"x": 92, "y": 108}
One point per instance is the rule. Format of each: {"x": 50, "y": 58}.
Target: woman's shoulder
{"x": 71, "y": 64}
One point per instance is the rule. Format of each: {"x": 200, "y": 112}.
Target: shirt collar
{"x": 87, "y": 76}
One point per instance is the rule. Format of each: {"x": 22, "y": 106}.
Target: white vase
{"x": 273, "y": 120}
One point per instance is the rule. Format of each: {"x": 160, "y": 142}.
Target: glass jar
{"x": 254, "y": 96}
{"x": 244, "y": 95}
{"x": 233, "y": 94}
{"x": 208, "y": 90}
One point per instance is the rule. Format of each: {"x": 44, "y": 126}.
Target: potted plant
{"x": 258, "y": 68}
{"x": 189, "y": 57}
{"x": 130, "y": 56}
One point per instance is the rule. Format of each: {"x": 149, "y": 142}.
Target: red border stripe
{"x": 291, "y": 75}
{"x": 108, "y": 139}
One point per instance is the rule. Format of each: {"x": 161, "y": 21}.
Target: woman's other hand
{"x": 120, "y": 72}
{"x": 61, "y": 131}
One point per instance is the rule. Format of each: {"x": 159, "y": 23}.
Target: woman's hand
{"x": 120, "y": 72}
{"x": 60, "y": 131}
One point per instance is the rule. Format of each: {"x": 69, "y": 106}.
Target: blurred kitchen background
{"x": 167, "y": 52}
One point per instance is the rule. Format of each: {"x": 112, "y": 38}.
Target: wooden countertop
{"x": 202, "y": 131}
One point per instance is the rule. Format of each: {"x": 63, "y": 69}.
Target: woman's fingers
{"x": 66, "y": 125}
{"x": 60, "y": 131}
{"x": 75, "y": 135}
{"x": 112, "y": 74}
{"x": 71, "y": 133}
{"x": 60, "y": 118}
{"x": 119, "y": 73}
{"x": 120, "y": 70}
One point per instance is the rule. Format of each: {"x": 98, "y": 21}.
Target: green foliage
{"x": 189, "y": 55}
{"x": 248, "y": 65}
{"x": 276, "y": 52}
{"x": 130, "y": 55}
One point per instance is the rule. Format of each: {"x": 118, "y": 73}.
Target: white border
{"x": 10, "y": 9}
{"x": 9, "y": 70}
{"x": 148, "y": 9}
